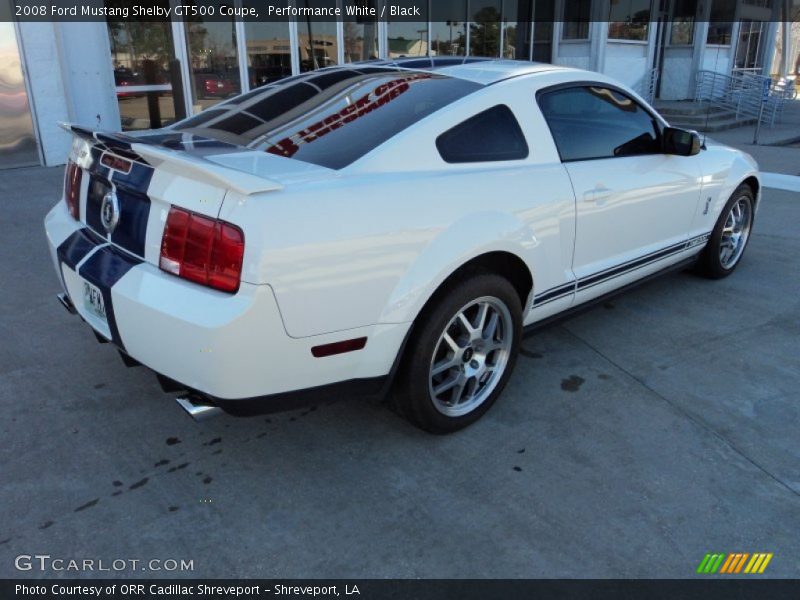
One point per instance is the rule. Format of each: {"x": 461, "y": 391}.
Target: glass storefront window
{"x": 510, "y": 31}
{"x": 544, "y": 12}
{"x": 720, "y": 23}
{"x": 484, "y": 27}
{"x": 683, "y": 16}
{"x": 361, "y": 34}
{"x": 449, "y": 28}
{"x": 269, "y": 52}
{"x": 748, "y": 50}
{"x": 408, "y": 38}
{"x": 213, "y": 60}
{"x": 317, "y": 40}
{"x": 628, "y": 20}
{"x": 576, "y": 20}
{"x": 140, "y": 54}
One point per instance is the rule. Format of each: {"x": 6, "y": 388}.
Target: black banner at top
{"x": 452, "y": 11}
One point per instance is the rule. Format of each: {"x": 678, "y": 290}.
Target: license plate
{"x": 93, "y": 300}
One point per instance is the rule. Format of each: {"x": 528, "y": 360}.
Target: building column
{"x": 699, "y": 46}
{"x": 48, "y": 96}
{"x": 598, "y": 35}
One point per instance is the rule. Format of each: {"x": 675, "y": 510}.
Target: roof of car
{"x": 480, "y": 70}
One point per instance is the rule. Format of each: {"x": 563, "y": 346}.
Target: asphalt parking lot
{"x": 632, "y": 440}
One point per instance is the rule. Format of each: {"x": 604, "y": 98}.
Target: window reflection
{"x": 141, "y": 53}
{"x": 592, "y": 123}
{"x": 544, "y": 12}
{"x": 510, "y": 30}
{"x": 319, "y": 47}
{"x": 484, "y": 28}
{"x": 331, "y": 118}
{"x": 449, "y": 28}
{"x": 408, "y": 38}
{"x": 269, "y": 53}
{"x": 360, "y": 34}
{"x": 213, "y": 61}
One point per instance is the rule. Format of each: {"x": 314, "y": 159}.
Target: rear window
{"x": 332, "y": 118}
{"x": 491, "y": 135}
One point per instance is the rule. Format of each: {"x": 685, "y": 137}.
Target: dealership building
{"x": 123, "y": 74}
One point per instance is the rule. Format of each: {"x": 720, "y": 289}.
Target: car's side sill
{"x": 571, "y": 312}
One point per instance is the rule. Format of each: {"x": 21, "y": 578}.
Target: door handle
{"x": 599, "y": 195}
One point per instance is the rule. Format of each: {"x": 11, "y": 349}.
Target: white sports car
{"x": 385, "y": 222}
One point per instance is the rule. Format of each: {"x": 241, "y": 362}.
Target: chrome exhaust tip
{"x": 66, "y": 303}
{"x": 198, "y": 407}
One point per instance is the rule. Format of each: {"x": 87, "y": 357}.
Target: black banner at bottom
{"x": 417, "y": 589}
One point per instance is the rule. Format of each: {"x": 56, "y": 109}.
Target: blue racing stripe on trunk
{"x": 75, "y": 248}
{"x": 103, "y": 269}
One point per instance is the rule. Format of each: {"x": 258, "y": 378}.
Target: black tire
{"x": 710, "y": 262}
{"x": 414, "y": 397}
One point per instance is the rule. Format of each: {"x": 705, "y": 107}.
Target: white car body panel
{"x": 357, "y": 252}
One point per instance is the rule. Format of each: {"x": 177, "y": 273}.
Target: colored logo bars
{"x": 734, "y": 563}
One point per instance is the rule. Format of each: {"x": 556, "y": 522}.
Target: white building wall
{"x": 626, "y": 62}
{"x": 48, "y": 96}
{"x": 71, "y": 79}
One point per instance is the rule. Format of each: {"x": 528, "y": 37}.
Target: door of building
{"x": 662, "y": 24}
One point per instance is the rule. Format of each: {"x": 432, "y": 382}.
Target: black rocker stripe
{"x": 613, "y": 272}
{"x": 555, "y": 293}
{"x": 629, "y": 266}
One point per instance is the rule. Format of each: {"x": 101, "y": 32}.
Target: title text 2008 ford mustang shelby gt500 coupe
{"x": 384, "y": 222}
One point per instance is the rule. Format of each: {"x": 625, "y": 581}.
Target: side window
{"x": 491, "y": 135}
{"x": 596, "y": 122}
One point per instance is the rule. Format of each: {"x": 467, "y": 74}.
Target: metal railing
{"x": 744, "y": 93}
{"x": 646, "y": 87}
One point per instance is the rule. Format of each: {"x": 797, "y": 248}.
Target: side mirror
{"x": 681, "y": 141}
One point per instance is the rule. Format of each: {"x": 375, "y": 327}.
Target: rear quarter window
{"x": 491, "y": 135}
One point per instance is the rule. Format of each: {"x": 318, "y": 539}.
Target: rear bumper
{"x": 228, "y": 347}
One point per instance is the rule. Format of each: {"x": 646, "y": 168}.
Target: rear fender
{"x": 466, "y": 239}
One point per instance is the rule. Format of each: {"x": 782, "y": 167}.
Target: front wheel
{"x": 461, "y": 354}
{"x": 730, "y": 235}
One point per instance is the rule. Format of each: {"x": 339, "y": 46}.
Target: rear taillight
{"x": 72, "y": 189}
{"x": 202, "y": 249}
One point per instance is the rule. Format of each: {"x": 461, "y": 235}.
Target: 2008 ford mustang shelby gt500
{"x": 384, "y": 222}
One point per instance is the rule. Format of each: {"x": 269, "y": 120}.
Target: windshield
{"x": 330, "y": 118}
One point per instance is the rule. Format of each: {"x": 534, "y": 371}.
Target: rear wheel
{"x": 461, "y": 355}
{"x": 730, "y": 235}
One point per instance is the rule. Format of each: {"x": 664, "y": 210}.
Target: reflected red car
{"x": 209, "y": 85}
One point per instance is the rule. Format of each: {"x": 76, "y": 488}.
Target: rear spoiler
{"x": 187, "y": 164}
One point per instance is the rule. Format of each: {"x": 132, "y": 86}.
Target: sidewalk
{"x": 778, "y": 149}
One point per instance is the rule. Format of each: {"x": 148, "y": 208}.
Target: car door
{"x": 635, "y": 204}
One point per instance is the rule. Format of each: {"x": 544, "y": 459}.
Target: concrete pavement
{"x": 630, "y": 441}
